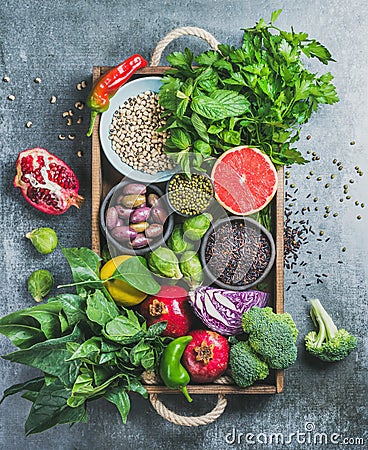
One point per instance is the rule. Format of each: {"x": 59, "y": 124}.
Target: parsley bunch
{"x": 259, "y": 94}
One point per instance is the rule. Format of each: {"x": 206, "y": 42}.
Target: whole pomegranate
{"x": 46, "y": 182}
{"x": 206, "y": 356}
{"x": 171, "y": 305}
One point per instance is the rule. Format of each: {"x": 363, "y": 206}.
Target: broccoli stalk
{"x": 330, "y": 343}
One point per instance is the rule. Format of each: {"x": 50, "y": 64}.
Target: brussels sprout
{"x": 191, "y": 268}
{"x": 195, "y": 227}
{"x": 164, "y": 262}
{"x": 44, "y": 239}
{"x": 176, "y": 242}
{"x": 40, "y": 284}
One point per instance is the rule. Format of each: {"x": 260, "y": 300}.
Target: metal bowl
{"x": 119, "y": 248}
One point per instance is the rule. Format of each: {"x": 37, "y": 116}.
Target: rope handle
{"x": 183, "y": 31}
{"x": 187, "y": 421}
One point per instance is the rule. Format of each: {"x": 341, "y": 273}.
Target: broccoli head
{"x": 329, "y": 344}
{"x": 272, "y": 336}
{"x": 246, "y": 367}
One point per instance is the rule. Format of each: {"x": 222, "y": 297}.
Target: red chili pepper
{"x": 107, "y": 85}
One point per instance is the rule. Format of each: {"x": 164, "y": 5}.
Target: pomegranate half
{"x": 46, "y": 182}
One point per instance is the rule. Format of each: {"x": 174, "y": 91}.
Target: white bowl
{"x": 130, "y": 89}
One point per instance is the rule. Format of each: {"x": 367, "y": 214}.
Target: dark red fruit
{"x": 171, "y": 305}
{"x": 206, "y": 356}
{"x": 46, "y": 182}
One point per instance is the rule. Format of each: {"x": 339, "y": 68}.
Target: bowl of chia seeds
{"x": 189, "y": 196}
{"x": 129, "y": 136}
{"x": 237, "y": 253}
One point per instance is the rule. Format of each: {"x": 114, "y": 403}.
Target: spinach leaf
{"x": 22, "y": 335}
{"x": 85, "y": 265}
{"x": 51, "y": 357}
{"x": 135, "y": 272}
{"x": 73, "y": 306}
{"x": 123, "y": 330}
{"x": 101, "y": 310}
{"x": 50, "y": 408}
{"x": 156, "y": 329}
{"x": 136, "y": 386}
{"x": 119, "y": 397}
{"x": 89, "y": 351}
{"x": 33, "y": 385}
{"x": 49, "y": 322}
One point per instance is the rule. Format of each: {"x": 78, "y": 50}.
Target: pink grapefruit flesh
{"x": 245, "y": 180}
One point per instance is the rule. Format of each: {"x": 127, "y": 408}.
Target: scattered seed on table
{"x": 319, "y": 179}
{"x": 352, "y": 143}
{"x": 61, "y": 137}
{"x": 307, "y": 177}
{"x": 71, "y": 112}
{"x": 80, "y": 120}
{"x": 326, "y": 215}
{"x": 359, "y": 217}
{"x": 341, "y": 167}
{"x": 341, "y": 200}
{"x": 79, "y": 86}
{"x": 79, "y": 105}
{"x": 6, "y": 79}
{"x": 28, "y": 124}
{"x": 309, "y": 137}
{"x": 332, "y": 176}
{"x": 65, "y": 114}
{"x": 356, "y": 203}
{"x": 292, "y": 185}
{"x": 83, "y": 84}
{"x": 348, "y": 197}
{"x": 343, "y": 249}
{"x": 80, "y": 154}
{"x": 69, "y": 121}
{"x": 362, "y": 205}
{"x": 334, "y": 161}
{"x": 311, "y": 172}
{"x": 335, "y": 214}
{"x": 321, "y": 233}
{"x": 351, "y": 181}
{"x": 37, "y": 80}
{"x": 314, "y": 154}
{"x": 340, "y": 262}
{"x": 71, "y": 137}
{"x": 315, "y": 199}
{"x": 316, "y": 208}
{"x": 308, "y": 152}
{"x": 53, "y": 99}
{"x": 11, "y": 97}
{"x": 327, "y": 185}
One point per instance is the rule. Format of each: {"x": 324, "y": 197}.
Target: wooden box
{"x": 104, "y": 177}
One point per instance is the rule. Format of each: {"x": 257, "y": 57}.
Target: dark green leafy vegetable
{"x": 86, "y": 346}
{"x": 259, "y": 95}
{"x": 40, "y": 283}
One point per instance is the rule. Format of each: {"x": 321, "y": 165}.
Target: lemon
{"x": 120, "y": 291}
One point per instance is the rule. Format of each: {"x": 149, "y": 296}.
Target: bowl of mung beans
{"x": 129, "y": 132}
{"x": 189, "y": 196}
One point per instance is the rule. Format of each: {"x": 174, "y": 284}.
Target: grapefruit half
{"x": 245, "y": 180}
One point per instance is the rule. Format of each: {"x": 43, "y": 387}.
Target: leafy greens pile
{"x": 86, "y": 346}
{"x": 259, "y": 95}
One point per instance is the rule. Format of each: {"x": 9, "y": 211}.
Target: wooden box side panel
{"x": 101, "y": 186}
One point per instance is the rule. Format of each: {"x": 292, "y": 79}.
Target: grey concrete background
{"x": 60, "y": 42}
